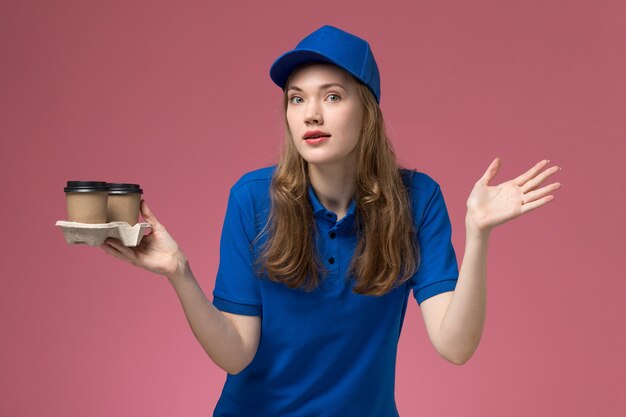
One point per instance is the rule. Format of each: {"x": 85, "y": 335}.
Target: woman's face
{"x": 324, "y": 98}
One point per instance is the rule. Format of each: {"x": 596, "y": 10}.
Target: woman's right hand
{"x": 157, "y": 252}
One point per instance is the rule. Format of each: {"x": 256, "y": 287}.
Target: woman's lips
{"x": 317, "y": 140}
{"x": 314, "y": 134}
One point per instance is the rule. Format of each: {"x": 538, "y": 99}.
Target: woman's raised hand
{"x": 157, "y": 252}
{"x": 491, "y": 205}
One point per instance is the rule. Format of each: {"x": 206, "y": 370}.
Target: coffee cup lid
{"x": 123, "y": 188}
{"x": 85, "y": 186}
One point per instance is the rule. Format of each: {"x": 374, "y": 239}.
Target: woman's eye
{"x": 331, "y": 97}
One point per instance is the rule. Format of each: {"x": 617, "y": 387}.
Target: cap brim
{"x": 289, "y": 61}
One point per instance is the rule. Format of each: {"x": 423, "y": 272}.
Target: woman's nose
{"x": 313, "y": 114}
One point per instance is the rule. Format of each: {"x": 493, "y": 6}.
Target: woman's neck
{"x": 334, "y": 186}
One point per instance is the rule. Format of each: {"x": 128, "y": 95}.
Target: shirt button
{"x": 332, "y": 235}
{"x": 329, "y": 215}
{"x": 331, "y": 260}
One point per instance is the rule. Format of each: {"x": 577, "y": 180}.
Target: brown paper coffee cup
{"x": 123, "y": 203}
{"x": 86, "y": 201}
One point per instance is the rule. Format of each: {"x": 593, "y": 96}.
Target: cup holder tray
{"x": 96, "y": 234}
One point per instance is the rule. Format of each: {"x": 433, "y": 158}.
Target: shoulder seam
{"x": 240, "y": 183}
{"x": 253, "y": 176}
{"x": 412, "y": 178}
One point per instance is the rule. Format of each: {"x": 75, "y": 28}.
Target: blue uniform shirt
{"x": 328, "y": 352}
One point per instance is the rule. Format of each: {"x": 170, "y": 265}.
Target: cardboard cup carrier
{"x": 97, "y": 210}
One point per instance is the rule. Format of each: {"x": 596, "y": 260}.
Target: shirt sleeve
{"x": 438, "y": 270}
{"x": 237, "y": 288}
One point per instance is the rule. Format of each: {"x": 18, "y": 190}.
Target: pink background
{"x": 176, "y": 96}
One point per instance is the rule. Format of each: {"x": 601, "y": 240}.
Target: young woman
{"x": 320, "y": 252}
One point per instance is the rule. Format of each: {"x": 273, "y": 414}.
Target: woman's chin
{"x": 318, "y": 159}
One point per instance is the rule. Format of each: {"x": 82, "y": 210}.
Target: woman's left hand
{"x": 489, "y": 206}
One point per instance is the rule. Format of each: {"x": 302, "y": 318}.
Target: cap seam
{"x": 367, "y": 53}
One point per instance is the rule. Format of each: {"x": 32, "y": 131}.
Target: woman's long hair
{"x": 387, "y": 253}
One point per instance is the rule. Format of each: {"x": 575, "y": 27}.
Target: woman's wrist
{"x": 183, "y": 270}
{"x": 473, "y": 230}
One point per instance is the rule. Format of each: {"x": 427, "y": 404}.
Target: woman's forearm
{"x": 217, "y": 335}
{"x": 463, "y": 322}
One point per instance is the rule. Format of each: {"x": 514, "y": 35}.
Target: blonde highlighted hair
{"x": 387, "y": 253}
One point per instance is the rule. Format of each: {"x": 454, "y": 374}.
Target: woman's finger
{"x": 147, "y": 214}
{"x": 114, "y": 252}
{"x": 531, "y": 173}
{"x": 128, "y": 253}
{"x": 539, "y": 193}
{"x": 539, "y": 179}
{"x": 491, "y": 172}
{"x": 537, "y": 203}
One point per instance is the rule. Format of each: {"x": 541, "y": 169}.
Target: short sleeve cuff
{"x": 436, "y": 288}
{"x": 237, "y": 308}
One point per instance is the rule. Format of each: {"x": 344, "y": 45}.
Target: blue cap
{"x": 332, "y": 45}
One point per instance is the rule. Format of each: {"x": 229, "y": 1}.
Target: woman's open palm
{"x": 491, "y": 205}
{"x": 158, "y": 252}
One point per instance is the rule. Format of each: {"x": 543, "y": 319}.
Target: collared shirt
{"x": 326, "y": 352}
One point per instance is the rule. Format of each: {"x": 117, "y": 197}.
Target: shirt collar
{"x": 320, "y": 210}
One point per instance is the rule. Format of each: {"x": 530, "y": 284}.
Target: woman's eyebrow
{"x": 322, "y": 87}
